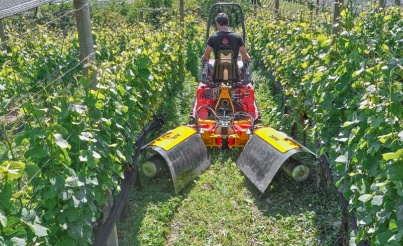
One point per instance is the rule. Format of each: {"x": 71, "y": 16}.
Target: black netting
{"x": 12, "y": 7}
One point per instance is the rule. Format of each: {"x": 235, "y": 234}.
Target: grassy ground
{"x": 222, "y": 207}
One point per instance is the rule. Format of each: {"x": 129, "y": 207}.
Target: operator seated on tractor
{"x": 222, "y": 42}
{"x": 226, "y": 46}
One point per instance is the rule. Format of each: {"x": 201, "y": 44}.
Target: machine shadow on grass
{"x": 307, "y": 205}
{"x": 154, "y": 199}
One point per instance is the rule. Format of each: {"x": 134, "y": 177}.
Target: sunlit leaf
{"x": 12, "y": 169}
{"x": 358, "y": 72}
{"x": 60, "y": 141}
{"x": 18, "y": 241}
{"x": 73, "y": 182}
{"x": 96, "y": 155}
{"x": 38, "y": 229}
{"x": 365, "y": 197}
{"x": 385, "y": 138}
{"x": 349, "y": 123}
{"x": 78, "y": 108}
{"x": 393, "y": 155}
{"x": 98, "y": 94}
{"x": 377, "y": 200}
{"x": 3, "y": 218}
{"x": 342, "y": 159}
{"x": 121, "y": 90}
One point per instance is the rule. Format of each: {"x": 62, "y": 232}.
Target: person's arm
{"x": 207, "y": 52}
{"x": 245, "y": 56}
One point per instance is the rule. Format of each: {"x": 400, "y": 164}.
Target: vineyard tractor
{"x": 225, "y": 115}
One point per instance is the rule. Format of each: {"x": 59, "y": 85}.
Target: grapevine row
{"x": 350, "y": 85}
{"x": 70, "y": 145}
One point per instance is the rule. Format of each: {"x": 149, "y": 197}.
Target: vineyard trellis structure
{"x": 333, "y": 7}
{"x": 81, "y": 10}
{"x": 87, "y": 58}
{"x": 12, "y": 7}
{"x": 9, "y": 111}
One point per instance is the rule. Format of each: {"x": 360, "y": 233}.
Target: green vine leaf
{"x": 12, "y": 170}
{"x": 3, "y": 218}
{"x": 393, "y": 155}
{"x": 377, "y": 200}
{"x": 399, "y": 212}
{"x": 18, "y": 241}
{"x": 38, "y": 229}
{"x": 73, "y": 182}
{"x": 36, "y": 152}
{"x": 365, "y": 198}
{"x": 342, "y": 159}
{"x": 62, "y": 143}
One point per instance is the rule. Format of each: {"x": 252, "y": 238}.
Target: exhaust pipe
{"x": 296, "y": 170}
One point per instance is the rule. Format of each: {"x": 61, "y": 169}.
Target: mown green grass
{"x": 222, "y": 207}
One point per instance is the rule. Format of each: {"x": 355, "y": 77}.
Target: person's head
{"x": 222, "y": 19}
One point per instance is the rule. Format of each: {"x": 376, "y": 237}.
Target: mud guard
{"x": 185, "y": 154}
{"x": 265, "y": 153}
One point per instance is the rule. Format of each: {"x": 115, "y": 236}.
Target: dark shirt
{"x": 225, "y": 41}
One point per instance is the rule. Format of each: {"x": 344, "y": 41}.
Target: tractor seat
{"x": 225, "y": 67}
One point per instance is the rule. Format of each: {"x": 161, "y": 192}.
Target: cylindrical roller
{"x": 184, "y": 154}
{"x": 296, "y": 170}
{"x": 153, "y": 166}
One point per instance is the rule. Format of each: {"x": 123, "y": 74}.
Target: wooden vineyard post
{"x": 182, "y": 12}
{"x": 87, "y": 57}
{"x": 2, "y": 35}
{"x": 113, "y": 237}
{"x": 336, "y": 15}
{"x": 182, "y": 56}
{"x": 83, "y": 23}
{"x": 276, "y": 7}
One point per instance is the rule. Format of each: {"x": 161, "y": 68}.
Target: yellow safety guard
{"x": 278, "y": 140}
{"x": 173, "y": 137}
